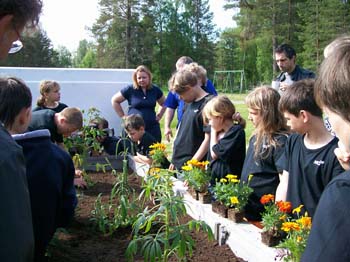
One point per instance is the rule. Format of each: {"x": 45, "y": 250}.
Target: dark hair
{"x": 25, "y": 12}
{"x": 134, "y": 121}
{"x": 300, "y": 96}
{"x": 332, "y": 88}
{"x": 287, "y": 49}
{"x": 14, "y": 96}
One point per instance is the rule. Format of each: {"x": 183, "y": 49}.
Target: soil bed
{"x": 81, "y": 242}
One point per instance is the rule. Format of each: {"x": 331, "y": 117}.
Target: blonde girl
{"x": 49, "y": 97}
{"x": 227, "y": 138}
{"x": 265, "y": 147}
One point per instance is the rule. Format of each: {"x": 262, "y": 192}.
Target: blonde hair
{"x": 219, "y": 106}
{"x": 45, "y": 87}
{"x": 265, "y": 99}
{"x": 139, "y": 69}
{"x": 73, "y": 117}
{"x": 199, "y": 70}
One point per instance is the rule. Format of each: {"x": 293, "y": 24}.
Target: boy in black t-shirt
{"x": 135, "y": 128}
{"x": 308, "y": 162}
{"x": 192, "y": 138}
{"x": 59, "y": 124}
{"x": 330, "y": 233}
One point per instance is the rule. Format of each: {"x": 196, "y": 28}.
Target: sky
{"x": 66, "y": 21}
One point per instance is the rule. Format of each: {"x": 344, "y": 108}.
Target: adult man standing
{"x": 16, "y": 230}
{"x": 285, "y": 57}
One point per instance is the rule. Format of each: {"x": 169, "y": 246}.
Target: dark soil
{"x": 81, "y": 242}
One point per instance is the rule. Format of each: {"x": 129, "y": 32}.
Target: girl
{"x": 50, "y": 97}
{"x": 265, "y": 147}
{"x": 227, "y": 140}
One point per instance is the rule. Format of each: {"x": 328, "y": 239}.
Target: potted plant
{"x": 233, "y": 195}
{"x": 197, "y": 176}
{"x": 272, "y": 219}
{"x": 297, "y": 230}
{"x": 158, "y": 155}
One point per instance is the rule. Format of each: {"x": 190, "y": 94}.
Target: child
{"x": 191, "y": 142}
{"x": 16, "y": 238}
{"x": 135, "y": 128}
{"x": 50, "y": 174}
{"x": 108, "y": 141}
{"x": 308, "y": 162}
{"x": 227, "y": 140}
{"x": 265, "y": 147}
{"x": 330, "y": 233}
{"x": 49, "y": 97}
{"x": 59, "y": 124}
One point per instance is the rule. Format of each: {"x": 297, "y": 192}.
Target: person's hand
{"x": 168, "y": 133}
{"x": 80, "y": 182}
{"x": 171, "y": 167}
{"x": 283, "y": 86}
{"x": 343, "y": 156}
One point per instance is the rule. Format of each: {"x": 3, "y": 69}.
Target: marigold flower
{"x": 305, "y": 222}
{"x": 154, "y": 171}
{"x": 234, "y": 200}
{"x": 223, "y": 180}
{"x": 284, "y": 206}
{"x": 288, "y": 226}
{"x": 267, "y": 199}
{"x": 230, "y": 176}
{"x": 297, "y": 209}
{"x": 158, "y": 146}
{"x": 187, "y": 168}
{"x": 234, "y": 180}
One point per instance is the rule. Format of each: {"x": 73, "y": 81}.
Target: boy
{"x": 135, "y": 128}
{"x": 50, "y": 174}
{"x": 330, "y": 233}
{"x": 191, "y": 142}
{"x": 308, "y": 162}
{"x": 16, "y": 229}
{"x": 59, "y": 124}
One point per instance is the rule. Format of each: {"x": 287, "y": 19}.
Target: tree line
{"x": 155, "y": 33}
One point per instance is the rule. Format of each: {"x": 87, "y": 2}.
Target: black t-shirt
{"x": 230, "y": 151}
{"x": 146, "y": 141}
{"x": 265, "y": 177}
{"x": 310, "y": 170}
{"x": 44, "y": 119}
{"x": 190, "y": 134}
{"x": 329, "y": 239}
{"x": 57, "y": 109}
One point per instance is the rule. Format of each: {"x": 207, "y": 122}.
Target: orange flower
{"x": 284, "y": 206}
{"x": 267, "y": 199}
{"x": 289, "y": 226}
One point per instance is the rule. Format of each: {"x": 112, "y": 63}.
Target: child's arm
{"x": 281, "y": 192}
{"x": 203, "y": 149}
{"x": 142, "y": 159}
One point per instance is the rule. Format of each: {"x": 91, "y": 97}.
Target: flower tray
{"x": 271, "y": 239}
{"x": 108, "y": 162}
{"x": 219, "y": 208}
{"x": 204, "y": 198}
{"x": 235, "y": 215}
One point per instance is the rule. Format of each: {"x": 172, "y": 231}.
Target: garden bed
{"x": 82, "y": 242}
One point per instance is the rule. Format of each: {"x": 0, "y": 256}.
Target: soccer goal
{"x": 228, "y": 81}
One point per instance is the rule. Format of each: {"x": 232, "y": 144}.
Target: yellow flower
{"x": 154, "y": 171}
{"x": 187, "y": 168}
{"x": 152, "y": 152}
{"x": 234, "y": 200}
{"x": 234, "y": 180}
{"x": 158, "y": 146}
{"x": 288, "y": 226}
{"x": 299, "y": 239}
{"x": 305, "y": 222}
{"x": 250, "y": 177}
{"x": 223, "y": 180}
{"x": 230, "y": 176}
{"x": 284, "y": 217}
{"x": 297, "y": 209}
